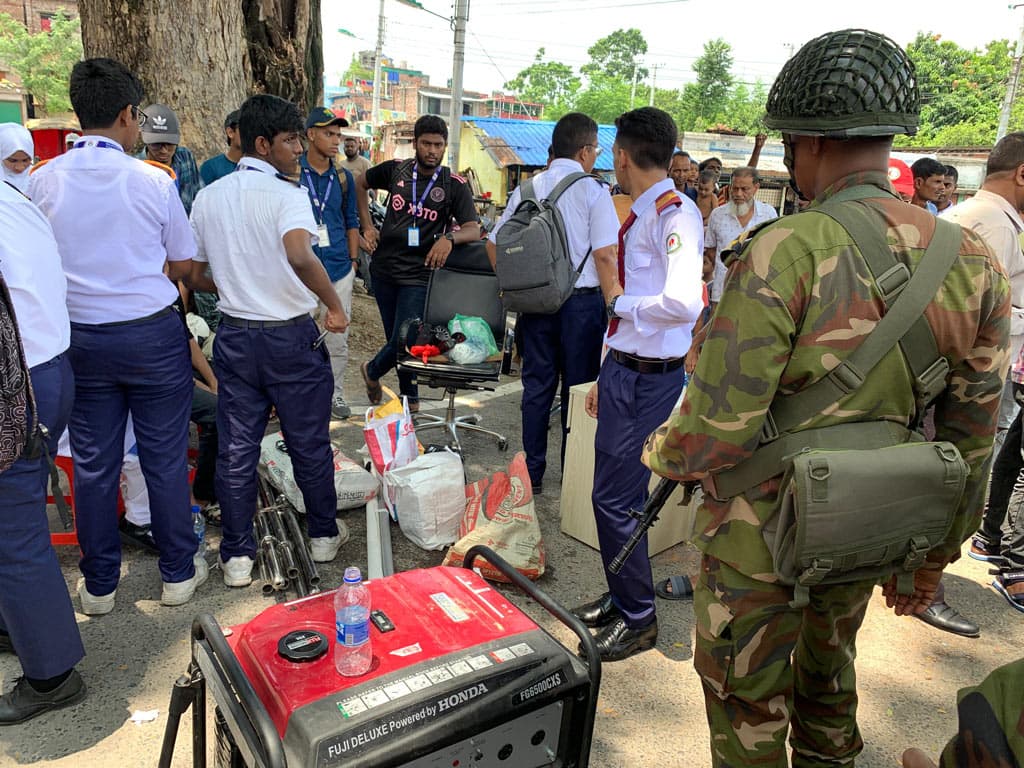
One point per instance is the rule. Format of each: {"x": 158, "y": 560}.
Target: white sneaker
{"x": 237, "y": 571}
{"x": 180, "y": 592}
{"x": 93, "y": 605}
{"x": 325, "y": 548}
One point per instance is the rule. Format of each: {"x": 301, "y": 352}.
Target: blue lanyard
{"x": 316, "y": 198}
{"x": 418, "y": 209}
{"x": 96, "y": 143}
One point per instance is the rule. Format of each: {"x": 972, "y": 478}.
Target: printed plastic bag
{"x": 429, "y": 496}
{"x": 500, "y": 513}
{"x": 390, "y": 437}
{"x": 474, "y": 329}
{"x": 355, "y": 486}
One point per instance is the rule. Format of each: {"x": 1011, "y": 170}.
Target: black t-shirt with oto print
{"x": 426, "y": 203}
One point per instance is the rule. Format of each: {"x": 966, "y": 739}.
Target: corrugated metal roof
{"x": 528, "y": 140}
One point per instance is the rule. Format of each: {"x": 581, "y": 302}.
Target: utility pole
{"x": 458, "y": 64}
{"x": 375, "y": 115}
{"x": 632, "y": 91}
{"x": 1011, "y": 84}
{"x": 654, "y": 83}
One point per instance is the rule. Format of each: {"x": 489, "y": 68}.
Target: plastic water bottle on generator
{"x": 199, "y": 528}
{"x": 352, "y": 651}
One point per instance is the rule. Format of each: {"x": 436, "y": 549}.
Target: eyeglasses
{"x": 139, "y": 115}
{"x": 597, "y": 149}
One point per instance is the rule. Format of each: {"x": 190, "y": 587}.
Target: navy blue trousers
{"x": 35, "y": 608}
{"x": 143, "y": 367}
{"x": 256, "y": 369}
{"x": 629, "y": 407}
{"x": 397, "y": 303}
{"x": 565, "y": 345}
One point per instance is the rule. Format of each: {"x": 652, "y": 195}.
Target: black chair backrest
{"x": 466, "y": 285}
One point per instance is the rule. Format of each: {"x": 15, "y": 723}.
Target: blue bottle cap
{"x": 353, "y": 575}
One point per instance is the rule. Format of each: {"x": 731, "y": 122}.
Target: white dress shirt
{"x": 587, "y": 211}
{"x": 999, "y": 224}
{"x": 31, "y": 266}
{"x": 664, "y": 293}
{"x": 240, "y": 223}
{"x": 116, "y": 220}
{"x": 722, "y": 229}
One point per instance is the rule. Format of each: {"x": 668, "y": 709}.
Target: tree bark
{"x": 203, "y": 58}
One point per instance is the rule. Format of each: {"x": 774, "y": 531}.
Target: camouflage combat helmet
{"x": 844, "y": 84}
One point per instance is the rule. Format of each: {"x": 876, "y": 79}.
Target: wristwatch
{"x": 610, "y": 309}
{"x": 449, "y": 236}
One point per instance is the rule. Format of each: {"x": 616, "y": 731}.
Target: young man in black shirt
{"x": 424, "y": 197}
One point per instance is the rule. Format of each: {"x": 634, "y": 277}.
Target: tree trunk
{"x": 204, "y": 57}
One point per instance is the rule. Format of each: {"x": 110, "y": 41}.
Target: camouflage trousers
{"x": 768, "y": 669}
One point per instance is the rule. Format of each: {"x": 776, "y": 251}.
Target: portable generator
{"x": 461, "y": 678}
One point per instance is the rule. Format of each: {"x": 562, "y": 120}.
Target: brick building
{"x": 37, "y": 14}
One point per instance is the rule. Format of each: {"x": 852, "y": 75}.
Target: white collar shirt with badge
{"x": 116, "y": 220}
{"x": 664, "y": 293}
{"x": 723, "y": 228}
{"x": 31, "y": 267}
{"x": 587, "y": 211}
{"x": 240, "y": 223}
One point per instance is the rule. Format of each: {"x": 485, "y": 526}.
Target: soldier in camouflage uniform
{"x": 991, "y": 731}
{"x": 797, "y": 301}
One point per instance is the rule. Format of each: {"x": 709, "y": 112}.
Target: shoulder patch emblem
{"x": 674, "y": 243}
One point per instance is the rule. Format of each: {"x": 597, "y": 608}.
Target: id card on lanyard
{"x": 417, "y": 210}
{"x": 319, "y": 205}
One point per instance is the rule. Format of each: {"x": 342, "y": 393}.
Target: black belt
{"x": 237, "y": 322}
{"x": 154, "y": 316}
{"x": 647, "y": 364}
{"x": 586, "y": 291}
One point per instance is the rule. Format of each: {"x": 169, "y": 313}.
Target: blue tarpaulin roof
{"x": 530, "y": 139}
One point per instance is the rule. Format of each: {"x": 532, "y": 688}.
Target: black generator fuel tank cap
{"x": 302, "y": 645}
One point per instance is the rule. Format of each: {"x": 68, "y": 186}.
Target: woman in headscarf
{"x": 16, "y": 152}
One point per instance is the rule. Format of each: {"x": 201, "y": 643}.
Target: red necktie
{"x": 613, "y": 324}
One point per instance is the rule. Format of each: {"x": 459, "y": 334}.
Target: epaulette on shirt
{"x": 738, "y": 246}
{"x": 667, "y": 200}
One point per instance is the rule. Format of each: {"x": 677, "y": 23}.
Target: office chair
{"x": 466, "y": 285}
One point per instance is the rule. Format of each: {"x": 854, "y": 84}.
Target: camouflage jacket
{"x": 991, "y": 727}
{"x": 797, "y": 301}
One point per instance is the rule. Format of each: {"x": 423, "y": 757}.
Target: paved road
{"x": 650, "y": 711}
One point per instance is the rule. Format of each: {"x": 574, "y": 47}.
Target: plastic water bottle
{"x": 199, "y": 528}
{"x": 352, "y": 652}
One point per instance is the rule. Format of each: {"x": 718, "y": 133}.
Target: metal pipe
{"x": 305, "y": 559}
{"x": 285, "y": 548}
{"x": 264, "y": 574}
{"x": 267, "y": 544}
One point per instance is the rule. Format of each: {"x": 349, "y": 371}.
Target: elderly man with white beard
{"x": 743, "y": 211}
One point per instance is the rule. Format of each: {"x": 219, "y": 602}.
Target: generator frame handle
{"x": 587, "y": 642}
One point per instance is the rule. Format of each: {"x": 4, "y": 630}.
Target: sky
{"x": 503, "y": 35}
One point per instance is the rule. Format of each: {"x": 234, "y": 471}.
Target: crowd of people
{"x": 677, "y": 275}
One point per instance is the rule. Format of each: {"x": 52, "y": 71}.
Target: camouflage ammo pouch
{"x": 862, "y": 500}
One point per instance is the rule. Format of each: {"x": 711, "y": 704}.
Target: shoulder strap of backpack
{"x": 906, "y": 297}
{"x": 567, "y": 182}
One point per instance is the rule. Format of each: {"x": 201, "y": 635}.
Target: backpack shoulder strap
{"x": 567, "y": 182}
{"x": 903, "y": 322}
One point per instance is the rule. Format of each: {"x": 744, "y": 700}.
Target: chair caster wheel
{"x": 503, "y": 444}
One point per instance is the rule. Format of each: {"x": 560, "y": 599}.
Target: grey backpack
{"x": 535, "y": 272}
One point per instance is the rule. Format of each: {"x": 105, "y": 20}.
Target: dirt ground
{"x": 650, "y": 711}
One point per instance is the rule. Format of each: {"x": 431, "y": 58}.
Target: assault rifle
{"x": 648, "y": 516}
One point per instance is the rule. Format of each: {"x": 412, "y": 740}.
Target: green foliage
{"x": 43, "y": 60}
{"x": 616, "y": 55}
{"x": 606, "y": 97}
{"x": 961, "y": 91}
{"x": 550, "y": 83}
{"x": 707, "y": 99}
{"x": 356, "y": 72}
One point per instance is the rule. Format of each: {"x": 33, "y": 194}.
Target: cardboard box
{"x": 675, "y": 523}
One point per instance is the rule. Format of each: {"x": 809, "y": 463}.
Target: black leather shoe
{"x": 948, "y": 619}
{"x": 599, "y": 613}
{"x": 617, "y": 641}
{"x": 140, "y": 535}
{"x": 24, "y": 702}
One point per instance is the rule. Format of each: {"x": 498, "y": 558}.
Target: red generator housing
{"x": 460, "y": 678}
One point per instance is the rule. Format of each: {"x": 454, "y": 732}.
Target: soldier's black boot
{"x": 598, "y": 613}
